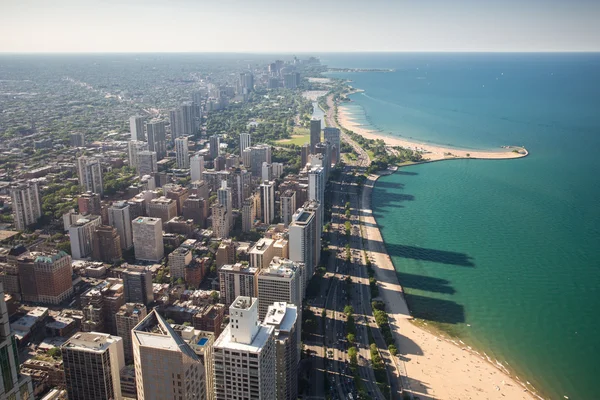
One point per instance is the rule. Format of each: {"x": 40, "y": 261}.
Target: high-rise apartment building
{"x": 224, "y": 198}
{"x": 220, "y": 221}
{"x": 262, "y": 253}
{"x": 26, "y": 204}
{"x": 134, "y": 147}
{"x": 304, "y": 153}
{"x": 267, "y": 172}
{"x": 316, "y": 188}
{"x": 89, "y": 203}
{"x": 332, "y": 135}
{"x": 176, "y": 123}
{"x": 77, "y": 139}
{"x": 267, "y": 201}
{"x": 196, "y": 209}
{"x": 248, "y": 214}
{"x": 120, "y": 219}
{"x": 13, "y": 385}
{"x": 279, "y": 282}
{"x": 190, "y": 119}
{"x": 81, "y": 235}
{"x": 284, "y": 318}
{"x": 163, "y": 208}
{"x": 46, "y": 277}
{"x": 201, "y": 341}
{"x": 315, "y": 134}
{"x": 214, "y": 145}
{"x": 136, "y": 127}
{"x": 237, "y": 280}
{"x": 179, "y": 258}
{"x": 245, "y": 142}
{"x": 166, "y": 366}
{"x": 147, "y": 162}
{"x": 106, "y": 244}
{"x": 254, "y": 157}
{"x": 287, "y": 202}
{"x": 181, "y": 152}
{"x": 250, "y": 346}
{"x": 137, "y": 284}
{"x": 92, "y": 362}
{"x": 89, "y": 171}
{"x": 147, "y": 238}
{"x": 157, "y": 141}
{"x": 128, "y": 316}
{"x": 196, "y": 167}
{"x": 302, "y": 232}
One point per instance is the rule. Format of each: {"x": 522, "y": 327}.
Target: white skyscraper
{"x": 267, "y": 197}
{"x": 119, "y": 218}
{"x": 92, "y": 362}
{"x": 166, "y": 366}
{"x": 245, "y": 142}
{"x": 196, "y": 167}
{"x": 26, "y": 204}
{"x": 250, "y": 346}
{"x": 285, "y": 318}
{"x": 267, "y": 172}
{"x": 316, "y": 187}
{"x": 12, "y": 385}
{"x": 81, "y": 236}
{"x": 147, "y": 239}
{"x": 136, "y": 127}
{"x": 181, "y": 150}
{"x": 220, "y": 221}
{"x": 224, "y": 198}
{"x": 134, "y": 147}
{"x": 89, "y": 172}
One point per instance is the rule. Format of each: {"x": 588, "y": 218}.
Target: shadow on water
{"x": 438, "y": 310}
{"x": 425, "y": 254}
{"x": 427, "y": 283}
{"x": 410, "y": 173}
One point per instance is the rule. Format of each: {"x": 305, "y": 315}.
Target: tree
{"x": 351, "y": 338}
{"x": 180, "y": 281}
{"x": 348, "y": 310}
{"x": 55, "y": 353}
{"x": 393, "y": 350}
{"x": 215, "y": 296}
{"x": 170, "y": 321}
{"x": 352, "y": 354}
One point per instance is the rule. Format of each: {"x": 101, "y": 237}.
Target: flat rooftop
{"x": 91, "y": 341}
{"x": 259, "y": 341}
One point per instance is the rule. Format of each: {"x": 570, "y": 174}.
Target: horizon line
{"x": 307, "y": 52}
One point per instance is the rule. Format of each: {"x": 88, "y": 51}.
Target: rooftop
{"x": 281, "y": 315}
{"x": 259, "y": 341}
{"x": 91, "y": 341}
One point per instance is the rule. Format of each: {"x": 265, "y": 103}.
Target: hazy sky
{"x": 298, "y": 26}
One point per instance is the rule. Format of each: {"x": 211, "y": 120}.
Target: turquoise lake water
{"x": 511, "y": 248}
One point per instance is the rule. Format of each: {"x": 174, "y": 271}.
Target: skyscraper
{"x": 119, "y": 218}
{"x": 137, "y": 282}
{"x": 304, "y": 153}
{"x": 128, "y": 316}
{"x": 214, "y": 144}
{"x": 287, "y": 202}
{"x": 179, "y": 258}
{"x": 267, "y": 172}
{"x": 248, "y": 214}
{"x": 302, "y": 232}
{"x": 147, "y": 238}
{"x": 176, "y": 123}
{"x": 13, "y": 385}
{"x": 278, "y": 282}
{"x": 136, "y": 127}
{"x": 224, "y": 198}
{"x": 284, "y": 318}
{"x": 134, "y": 147}
{"x": 157, "y": 141}
{"x": 332, "y": 135}
{"x": 26, "y": 204}
{"x": 196, "y": 167}
{"x": 181, "y": 150}
{"x": 220, "y": 221}
{"x": 262, "y": 253}
{"x": 166, "y": 367}
{"x": 147, "y": 162}
{"x": 81, "y": 235}
{"x": 315, "y": 134}
{"x": 267, "y": 194}
{"x": 92, "y": 363}
{"x": 250, "y": 346}
{"x": 90, "y": 174}
{"x": 316, "y": 188}
{"x": 237, "y": 280}
{"x": 189, "y": 118}
{"x": 245, "y": 142}
{"x": 106, "y": 244}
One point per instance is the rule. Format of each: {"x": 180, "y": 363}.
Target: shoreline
{"x": 438, "y": 366}
{"x": 432, "y": 364}
{"x": 430, "y": 151}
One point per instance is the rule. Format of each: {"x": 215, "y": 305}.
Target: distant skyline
{"x": 269, "y": 26}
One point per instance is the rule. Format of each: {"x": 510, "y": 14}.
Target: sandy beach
{"x": 436, "y": 367}
{"x": 431, "y": 152}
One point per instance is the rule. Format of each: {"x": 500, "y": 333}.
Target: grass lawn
{"x": 299, "y": 137}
